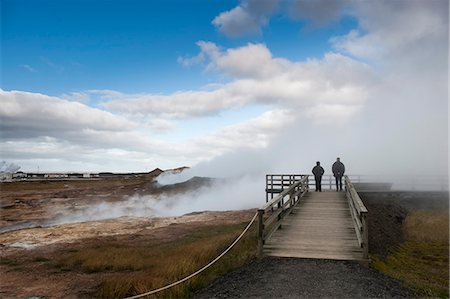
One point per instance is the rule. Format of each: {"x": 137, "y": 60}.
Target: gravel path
{"x": 303, "y": 278}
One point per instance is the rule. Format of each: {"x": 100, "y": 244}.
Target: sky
{"x": 225, "y": 87}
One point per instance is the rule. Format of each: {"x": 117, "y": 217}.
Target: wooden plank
{"x": 320, "y": 226}
{"x": 329, "y": 244}
{"x": 314, "y": 254}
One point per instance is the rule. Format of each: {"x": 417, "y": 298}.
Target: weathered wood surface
{"x": 320, "y": 226}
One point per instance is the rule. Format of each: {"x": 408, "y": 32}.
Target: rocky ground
{"x": 273, "y": 277}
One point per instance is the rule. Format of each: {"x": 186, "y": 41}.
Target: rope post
{"x": 260, "y": 233}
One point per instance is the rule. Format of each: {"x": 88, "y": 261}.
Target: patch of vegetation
{"x": 40, "y": 259}
{"x": 8, "y": 261}
{"x": 145, "y": 267}
{"x": 422, "y": 261}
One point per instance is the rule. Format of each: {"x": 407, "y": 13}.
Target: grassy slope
{"x": 421, "y": 261}
{"x": 144, "y": 267}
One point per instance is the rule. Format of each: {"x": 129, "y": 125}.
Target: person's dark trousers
{"x": 318, "y": 183}
{"x": 338, "y": 183}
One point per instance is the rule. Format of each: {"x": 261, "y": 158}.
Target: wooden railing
{"x": 275, "y": 209}
{"x": 277, "y": 183}
{"x": 329, "y": 181}
{"x": 379, "y": 183}
{"x": 359, "y": 216}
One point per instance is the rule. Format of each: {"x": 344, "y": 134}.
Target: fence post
{"x": 260, "y": 232}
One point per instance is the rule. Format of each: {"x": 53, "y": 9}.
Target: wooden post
{"x": 365, "y": 236}
{"x": 292, "y": 199}
{"x": 260, "y": 232}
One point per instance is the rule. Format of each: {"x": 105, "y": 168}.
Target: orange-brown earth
{"x": 27, "y": 255}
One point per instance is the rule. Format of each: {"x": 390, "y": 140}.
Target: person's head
{"x": 318, "y": 163}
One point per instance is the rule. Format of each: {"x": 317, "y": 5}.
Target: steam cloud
{"x": 233, "y": 194}
{"x": 8, "y": 167}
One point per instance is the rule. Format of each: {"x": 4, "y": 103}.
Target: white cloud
{"x": 250, "y": 16}
{"x": 33, "y": 114}
{"x": 161, "y": 125}
{"x": 251, "y": 61}
{"x": 81, "y": 97}
{"x": 37, "y": 129}
{"x": 254, "y": 133}
{"x": 28, "y": 68}
{"x": 237, "y": 22}
{"x": 320, "y": 12}
{"x": 183, "y": 104}
{"x": 259, "y": 78}
{"x": 247, "y": 18}
{"x": 105, "y": 93}
{"x": 391, "y": 29}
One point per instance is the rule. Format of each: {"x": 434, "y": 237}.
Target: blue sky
{"x": 134, "y": 85}
{"x": 56, "y": 47}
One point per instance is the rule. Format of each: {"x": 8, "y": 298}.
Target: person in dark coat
{"x": 318, "y": 173}
{"x": 338, "y": 171}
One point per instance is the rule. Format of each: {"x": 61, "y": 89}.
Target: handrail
{"x": 276, "y": 183}
{"x": 359, "y": 214}
{"x": 279, "y": 208}
{"x": 392, "y": 182}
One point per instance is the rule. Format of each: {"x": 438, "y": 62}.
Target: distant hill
{"x": 191, "y": 184}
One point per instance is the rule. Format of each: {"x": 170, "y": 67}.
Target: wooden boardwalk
{"x": 320, "y": 226}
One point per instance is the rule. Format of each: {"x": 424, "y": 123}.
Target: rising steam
{"x": 230, "y": 194}
{"x": 8, "y": 167}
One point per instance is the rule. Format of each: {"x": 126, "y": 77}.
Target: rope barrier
{"x": 200, "y": 270}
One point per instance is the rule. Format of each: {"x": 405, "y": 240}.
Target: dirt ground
{"x": 26, "y": 242}
{"x": 30, "y": 246}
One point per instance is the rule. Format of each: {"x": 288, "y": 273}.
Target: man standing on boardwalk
{"x": 318, "y": 173}
{"x": 338, "y": 171}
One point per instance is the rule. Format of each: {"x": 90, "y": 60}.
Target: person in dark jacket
{"x": 318, "y": 173}
{"x": 338, "y": 171}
